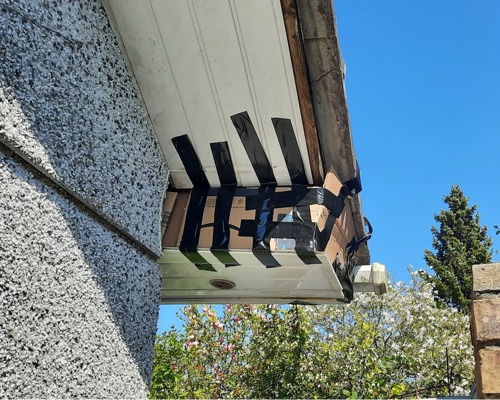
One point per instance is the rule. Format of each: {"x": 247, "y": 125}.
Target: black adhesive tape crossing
{"x": 296, "y": 196}
{"x": 253, "y": 148}
{"x": 263, "y": 200}
{"x": 354, "y": 184}
{"x": 305, "y": 247}
{"x": 190, "y": 160}
{"x": 262, "y": 229}
{"x": 194, "y": 216}
{"x": 223, "y": 163}
{"x": 263, "y": 216}
{"x": 225, "y": 258}
{"x": 273, "y": 229}
{"x": 335, "y": 205}
{"x": 309, "y": 259}
{"x": 223, "y": 205}
{"x": 198, "y": 260}
{"x": 290, "y": 150}
{"x": 266, "y": 258}
{"x": 299, "y": 196}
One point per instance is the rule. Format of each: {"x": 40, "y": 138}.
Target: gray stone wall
{"x": 81, "y": 184}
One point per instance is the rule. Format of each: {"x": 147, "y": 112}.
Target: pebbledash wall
{"x": 81, "y": 183}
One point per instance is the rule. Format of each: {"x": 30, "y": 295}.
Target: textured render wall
{"x": 78, "y": 303}
{"x": 68, "y": 106}
{"x": 78, "y": 291}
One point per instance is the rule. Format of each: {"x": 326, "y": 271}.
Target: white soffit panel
{"x": 183, "y": 280}
{"x": 198, "y": 63}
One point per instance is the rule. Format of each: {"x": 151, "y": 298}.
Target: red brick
{"x": 486, "y": 321}
{"x": 488, "y": 372}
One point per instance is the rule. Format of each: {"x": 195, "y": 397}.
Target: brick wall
{"x": 486, "y": 328}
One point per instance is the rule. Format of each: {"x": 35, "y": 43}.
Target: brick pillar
{"x": 486, "y": 328}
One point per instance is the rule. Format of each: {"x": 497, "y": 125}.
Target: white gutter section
{"x": 370, "y": 278}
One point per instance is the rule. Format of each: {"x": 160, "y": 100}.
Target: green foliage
{"x": 397, "y": 345}
{"x": 459, "y": 242}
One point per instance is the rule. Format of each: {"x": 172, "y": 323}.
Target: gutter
{"x": 326, "y": 70}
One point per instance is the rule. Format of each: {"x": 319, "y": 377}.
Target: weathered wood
{"x": 300, "y": 72}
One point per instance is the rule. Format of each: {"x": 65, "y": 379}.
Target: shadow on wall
{"x": 68, "y": 106}
{"x": 80, "y": 304}
{"x": 72, "y": 111}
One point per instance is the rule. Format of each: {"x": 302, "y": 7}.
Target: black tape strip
{"x": 343, "y": 276}
{"x": 263, "y": 228}
{"x": 301, "y": 229}
{"x": 266, "y": 258}
{"x": 263, "y": 214}
{"x": 198, "y": 261}
{"x": 299, "y": 196}
{"x": 223, "y": 204}
{"x": 323, "y": 237}
{"x": 290, "y": 149}
{"x": 225, "y": 258}
{"x": 354, "y": 184}
{"x": 256, "y": 228}
{"x": 289, "y": 230}
{"x": 262, "y": 204}
{"x": 335, "y": 205}
{"x": 296, "y": 196}
{"x": 309, "y": 259}
{"x": 246, "y": 192}
{"x": 283, "y": 230}
{"x": 305, "y": 247}
{"x": 190, "y": 161}
{"x": 194, "y": 215}
{"x": 302, "y": 213}
{"x": 254, "y": 149}
{"x": 302, "y": 232}
{"x": 223, "y": 163}
{"x": 248, "y": 228}
{"x": 211, "y": 225}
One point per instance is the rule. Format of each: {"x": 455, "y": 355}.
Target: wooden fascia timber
{"x": 300, "y": 71}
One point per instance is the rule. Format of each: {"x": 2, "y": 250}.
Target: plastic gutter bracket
{"x": 370, "y": 278}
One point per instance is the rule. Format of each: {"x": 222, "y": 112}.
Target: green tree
{"x": 459, "y": 242}
{"x": 397, "y": 345}
{"x": 248, "y": 351}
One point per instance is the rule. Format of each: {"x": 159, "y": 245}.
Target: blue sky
{"x": 423, "y": 88}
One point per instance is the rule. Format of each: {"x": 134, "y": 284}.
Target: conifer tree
{"x": 459, "y": 242}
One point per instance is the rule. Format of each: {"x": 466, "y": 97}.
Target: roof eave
{"x": 326, "y": 72}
